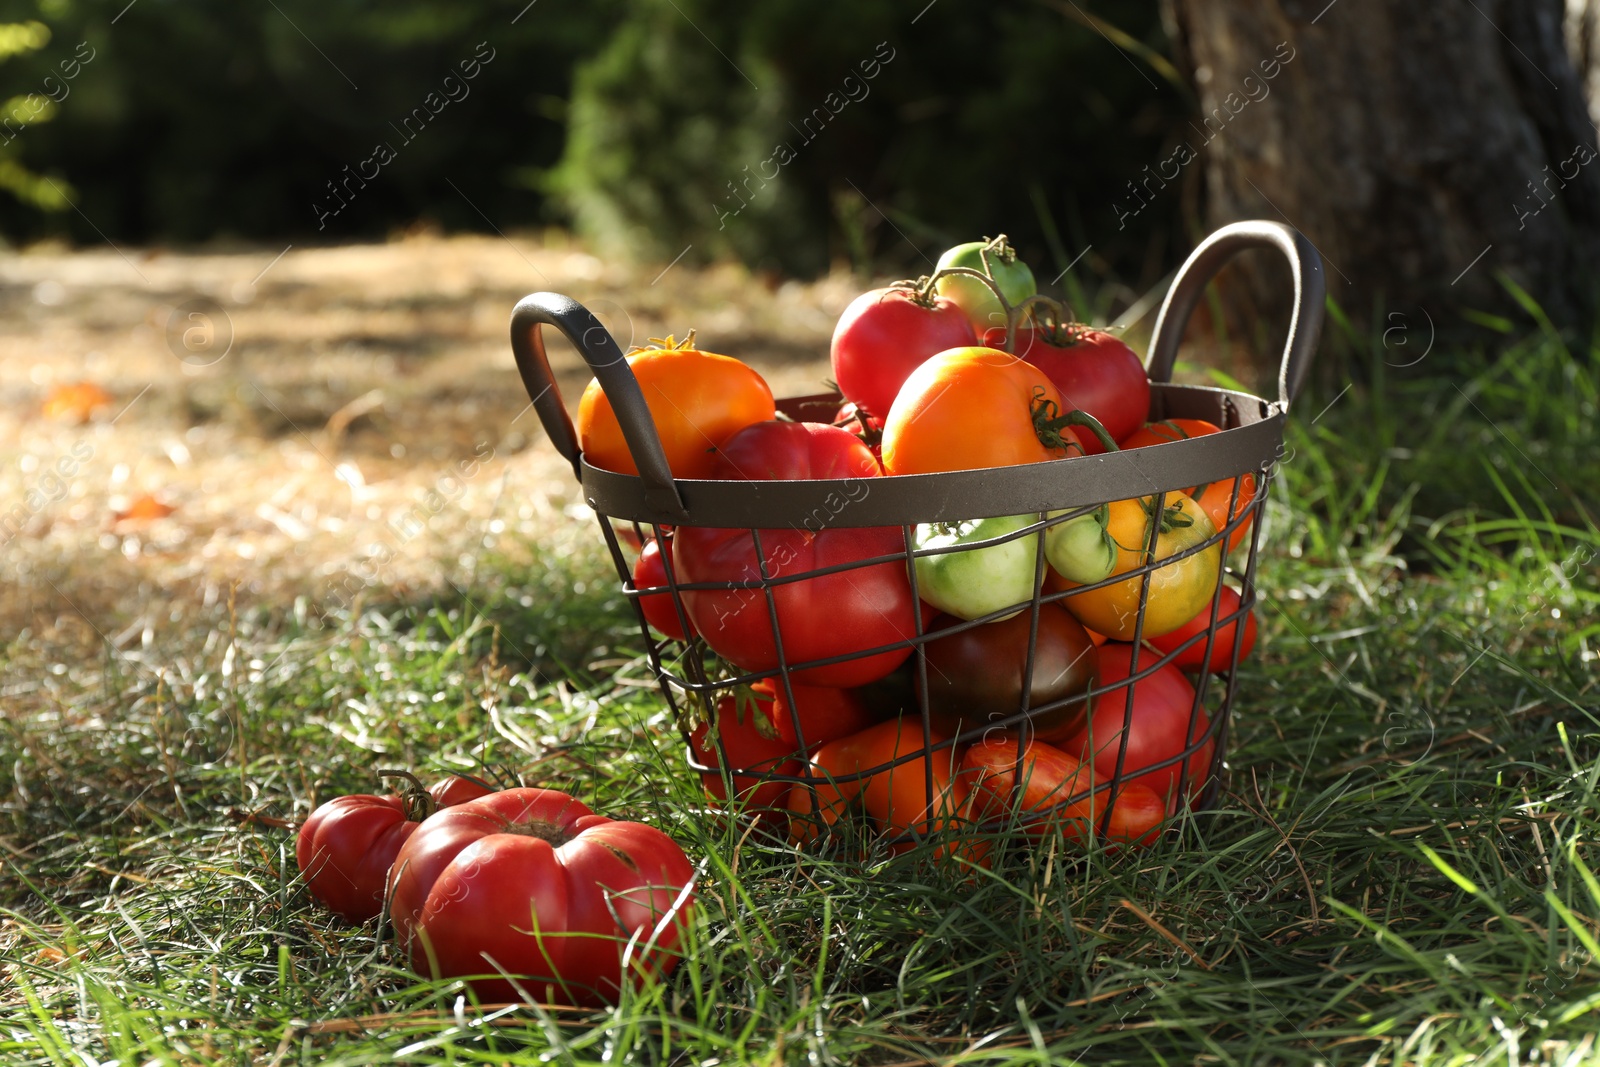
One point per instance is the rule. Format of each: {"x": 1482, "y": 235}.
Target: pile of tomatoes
{"x": 967, "y": 369}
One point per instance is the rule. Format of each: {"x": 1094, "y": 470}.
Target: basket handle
{"x": 599, "y": 350}
{"x": 1203, "y": 264}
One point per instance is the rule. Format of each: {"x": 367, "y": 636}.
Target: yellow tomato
{"x": 1178, "y": 590}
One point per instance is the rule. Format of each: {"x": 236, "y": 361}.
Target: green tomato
{"x": 996, "y": 259}
{"x": 1081, "y": 550}
{"x": 977, "y": 581}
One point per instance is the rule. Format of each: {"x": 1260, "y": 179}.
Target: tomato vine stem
{"x": 1048, "y": 422}
{"x": 418, "y": 801}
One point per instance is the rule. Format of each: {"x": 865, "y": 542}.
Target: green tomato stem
{"x": 1049, "y": 424}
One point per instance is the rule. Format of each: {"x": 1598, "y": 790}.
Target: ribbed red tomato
{"x": 839, "y": 614}
{"x": 530, "y": 894}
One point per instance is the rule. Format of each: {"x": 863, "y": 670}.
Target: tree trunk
{"x": 1423, "y": 147}
{"x": 1583, "y": 48}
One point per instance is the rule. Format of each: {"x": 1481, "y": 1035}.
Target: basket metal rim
{"x": 1252, "y": 442}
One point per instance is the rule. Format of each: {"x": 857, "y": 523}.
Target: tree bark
{"x": 1423, "y": 147}
{"x": 1583, "y": 48}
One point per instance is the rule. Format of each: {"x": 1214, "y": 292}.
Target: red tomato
{"x": 744, "y": 725}
{"x": 1050, "y": 778}
{"x": 531, "y": 883}
{"x": 1213, "y": 497}
{"x": 696, "y": 399}
{"x": 836, "y": 614}
{"x": 650, "y": 572}
{"x": 1094, "y": 371}
{"x": 1159, "y": 729}
{"x": 452, "y": 791}
{"x": 824, "y": 714}
{"x": 1193, "y": 657}
{"x": 345, "y": 847}
{"x": 884, "y": 335}
{"x": 932, "y": 426}
{"x": 1136, "y": 815}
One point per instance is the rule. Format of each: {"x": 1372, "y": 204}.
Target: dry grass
{"x": 358, "y": 382}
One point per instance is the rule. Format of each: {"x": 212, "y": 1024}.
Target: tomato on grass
{"x": 344, "y": 849}
{"x": 527, "y": 892}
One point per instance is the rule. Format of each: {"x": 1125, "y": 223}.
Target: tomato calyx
{"x": 917, "y": 290}
{"x": 870, "y": 430}
{"x": 552, "y": 832}
{"x": 745, "y": 706}
{"x": 1000, "y": 248}
{"x": 1172, "y": 517}
{"x": 419, "y": 803}
{"x": 1048, "y": 422}
{"x": 668, "y": 343}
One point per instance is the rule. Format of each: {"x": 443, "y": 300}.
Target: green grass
{"x": 1401, "y": 870}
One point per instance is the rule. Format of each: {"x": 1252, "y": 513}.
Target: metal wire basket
{"x": 652, "y": 503}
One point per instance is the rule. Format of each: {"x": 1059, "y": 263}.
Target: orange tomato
{"x": 896, "y": 798}
{"x": 697, "y": 400}
{"x": 1050, "y": 778}
{"x": 969, "y": 408}
{"x": 1213, "y": 497}
{"x": 1178, "y": 590}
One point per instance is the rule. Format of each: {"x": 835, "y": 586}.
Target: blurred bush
{"x": 209, "y": 119}
{"x": 788, "y": 134}
{"x": 782, "y": 151}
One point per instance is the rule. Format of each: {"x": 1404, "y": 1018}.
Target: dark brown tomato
{"x": 975, "y": 677}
